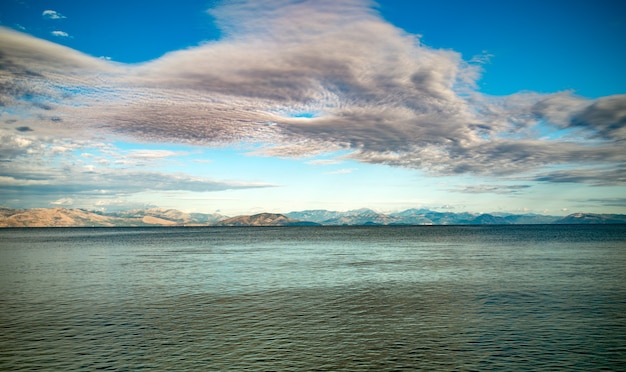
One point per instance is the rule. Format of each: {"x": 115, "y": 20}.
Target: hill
{"x": 592, "y": 218}
{"x": 172, "y": 215}
{"x": 62, "y": 217}
{"x": 55, "y": 217}
{"x": 263, "y": 219}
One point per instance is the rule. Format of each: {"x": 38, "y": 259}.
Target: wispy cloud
{"x": 605, "y": 176}
{"x": 343, "y": 171}
{"x": 610, "y": 202}
{"x": 34, "y": 168}
{"x": 378, "y": 94}
{"x": 492, "y": 189}
{"x": 111, "y": 183}
{"x": 52, "y": 14}
{"x": 324, "y": 162}
{"x": 154, "y": 154}
{"x": 60, "y": 34}
{"x": 63, "y": 201}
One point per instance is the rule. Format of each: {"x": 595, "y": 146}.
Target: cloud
{"x": 63, "y": 201}
{"x": 493, "y": 189}
{"x": 154, "y": 154}
{"x": 110, "y": 183}
{"x": 377, "y": 92}
{"x": 609, "y": 202}
{"x": 60, "y": 34}
{"x": 52, "y": 14}
{"x": 38, "y": 75}
{"x": 39, "y": 169}
{"x": 606, "y": 176}
{"x": 604, "y": 117}
{"x": 324, "y": 162}
{"x": 343, "y": 171}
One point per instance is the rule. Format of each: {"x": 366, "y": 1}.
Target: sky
{"x": 239, "y": 107}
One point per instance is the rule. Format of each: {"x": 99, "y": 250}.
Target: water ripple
{"x": 326, "y": 304}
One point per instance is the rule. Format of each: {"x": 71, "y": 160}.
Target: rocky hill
{"x": 56, "y": 217}
{"x": 592, "y": 218}
{"x": 263, "y": 219}
{"x": 62, "y": 217}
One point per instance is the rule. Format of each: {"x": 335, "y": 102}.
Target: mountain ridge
{"x": 63, "y": 217}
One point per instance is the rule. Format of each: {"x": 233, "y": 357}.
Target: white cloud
{"x": 343, "y": 171}
{"x": 324, "y": 162}
{"x": 10, "y": 181}
{"x": 60, "y": 34}
{"x": 52, "y": 14}
{"x": 154, "y": 154}
{"x": 63, "y": 201}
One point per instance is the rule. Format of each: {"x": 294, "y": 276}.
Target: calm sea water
{"x": 314, "y": 298}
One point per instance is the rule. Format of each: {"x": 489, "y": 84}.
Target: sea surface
{"x": 473, "y": 298}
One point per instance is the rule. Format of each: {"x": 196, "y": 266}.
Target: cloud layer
{"x": 306, "y": 77}
{"x": 55, "y": 170}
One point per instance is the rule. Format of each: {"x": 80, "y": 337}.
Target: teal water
{"x": 314, "y": 298}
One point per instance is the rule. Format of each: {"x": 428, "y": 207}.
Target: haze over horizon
{"x": 240, "y": 107}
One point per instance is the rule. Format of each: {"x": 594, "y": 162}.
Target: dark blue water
{"x": 314, "y": 298}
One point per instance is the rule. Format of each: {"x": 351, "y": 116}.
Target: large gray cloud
{"x": 604, "y": 117}
{"x": 304, "y": 77}
{"x": 605, "y": 176}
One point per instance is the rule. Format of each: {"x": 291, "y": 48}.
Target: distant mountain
{"x": 411, "y": 217}
{"x": 263, "y": 219}
{"x": 414, "y": 217}
{"x": 361, "y": 217}
{"x": 316, "y": 215}
{"x": 62, "y": 217}
{"x": 59, "y": 217}
{"x": 428, "y": 217}
{"x": 592, "y": 218}
{"x": 488, "y": 219}
{"x": 530, "y": 219}
{"x": 173, "y": 215}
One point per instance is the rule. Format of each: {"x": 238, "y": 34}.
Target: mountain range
{"x": 62, "y": 217}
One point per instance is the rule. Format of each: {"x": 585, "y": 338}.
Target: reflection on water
{"x": 311, "y": 298}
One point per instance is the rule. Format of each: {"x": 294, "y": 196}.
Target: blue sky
{"x": 240, "y": 107}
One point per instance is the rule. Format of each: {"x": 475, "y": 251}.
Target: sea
{"x": 311, "y": 298}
